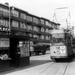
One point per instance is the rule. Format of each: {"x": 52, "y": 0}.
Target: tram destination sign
{"x": 59, "y": 35}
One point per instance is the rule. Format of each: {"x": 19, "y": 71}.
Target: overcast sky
{"x": 44, "y": 8}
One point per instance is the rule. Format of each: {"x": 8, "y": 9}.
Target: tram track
{"x": 57, "y": 69}
{"x": 47, "y": 68}
{"x": 65, "y": 69}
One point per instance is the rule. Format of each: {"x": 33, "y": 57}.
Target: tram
{"x": 61, "y": 44}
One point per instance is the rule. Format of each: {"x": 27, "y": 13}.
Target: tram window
{"x": 58, "y": 40}
{"x": 68, "y": 39}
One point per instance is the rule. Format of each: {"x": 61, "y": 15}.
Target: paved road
{"x": 43, "y": 65}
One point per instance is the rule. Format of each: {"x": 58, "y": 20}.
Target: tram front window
{"x": 58, "y": 40}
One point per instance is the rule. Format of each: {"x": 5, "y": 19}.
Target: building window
{"x": 42, "y": 21}
{"x": 48, "y": 23}
{"x": 35, "y": 20}
{"x": 47, "y": 30}
{"x": 4, "y": 11}
{"x": 30, "y": 34}
{"x": 35, "y": 36}
{"x": 47, "y": 38}
{"x": 1, "y": 22}
{"x": 4, "y": 22}
{"x": 42, "y": 29}
{"x": 42, "y": 37}
{"x": 7, "y": 23}
{"x": 29, "y": 18}
{"x": 52, "y": 25}
{"x": 29, "y": 27}
{"x": 1, "y": 9}
{"x": 23, "y": 16}
{"x": 35, "y": 28}
{"x": 15, "y": 23}
{"x": 15, "y": 13}
{"x": 23, "y": 25}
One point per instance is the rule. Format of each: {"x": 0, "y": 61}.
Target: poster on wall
{"x": 24, "y": 49}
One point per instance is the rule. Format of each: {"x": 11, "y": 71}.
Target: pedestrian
{"x": 17, "y": 60}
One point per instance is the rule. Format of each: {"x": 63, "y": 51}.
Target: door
{"x": 13, "y": 51}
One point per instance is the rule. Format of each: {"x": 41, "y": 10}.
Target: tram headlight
{"x": 62, "y": 49}
{"x": 58, "y": 52}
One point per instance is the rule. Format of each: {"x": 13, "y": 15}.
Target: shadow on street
{"x": 33, "y": 63}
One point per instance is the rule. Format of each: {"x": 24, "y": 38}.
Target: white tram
{"x": 61, "y": 44}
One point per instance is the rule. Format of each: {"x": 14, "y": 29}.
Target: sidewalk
{"x": 37, "y": 65}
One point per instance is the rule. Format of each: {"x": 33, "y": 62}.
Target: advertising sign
{"x": 4, "y": 42}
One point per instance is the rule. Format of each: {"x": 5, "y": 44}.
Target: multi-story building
{"x": 20, "y": 27}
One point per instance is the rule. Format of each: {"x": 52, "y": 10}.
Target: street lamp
{"x": 7, "y": 4}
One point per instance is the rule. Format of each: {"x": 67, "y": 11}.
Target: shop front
{"x": 14, "y": 52}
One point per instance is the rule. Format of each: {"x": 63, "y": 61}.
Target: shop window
{"x": 23, "y": 16}
{"x": 4, "y": 48}
{"x": 24, "y": 48}
{"x": 15, "y": 23}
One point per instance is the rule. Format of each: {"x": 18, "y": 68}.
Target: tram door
{"x": 13, "y": 50}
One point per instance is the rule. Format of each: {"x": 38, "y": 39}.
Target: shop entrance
{"x": 9, "y": 55}
{"x": 19, "y": 52}
{"x": 13, "y": 52}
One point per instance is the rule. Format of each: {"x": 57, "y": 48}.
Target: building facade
{"x": 20, "y": 27}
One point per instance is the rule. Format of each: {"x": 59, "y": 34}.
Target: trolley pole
{"x": 62, "y": 18}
